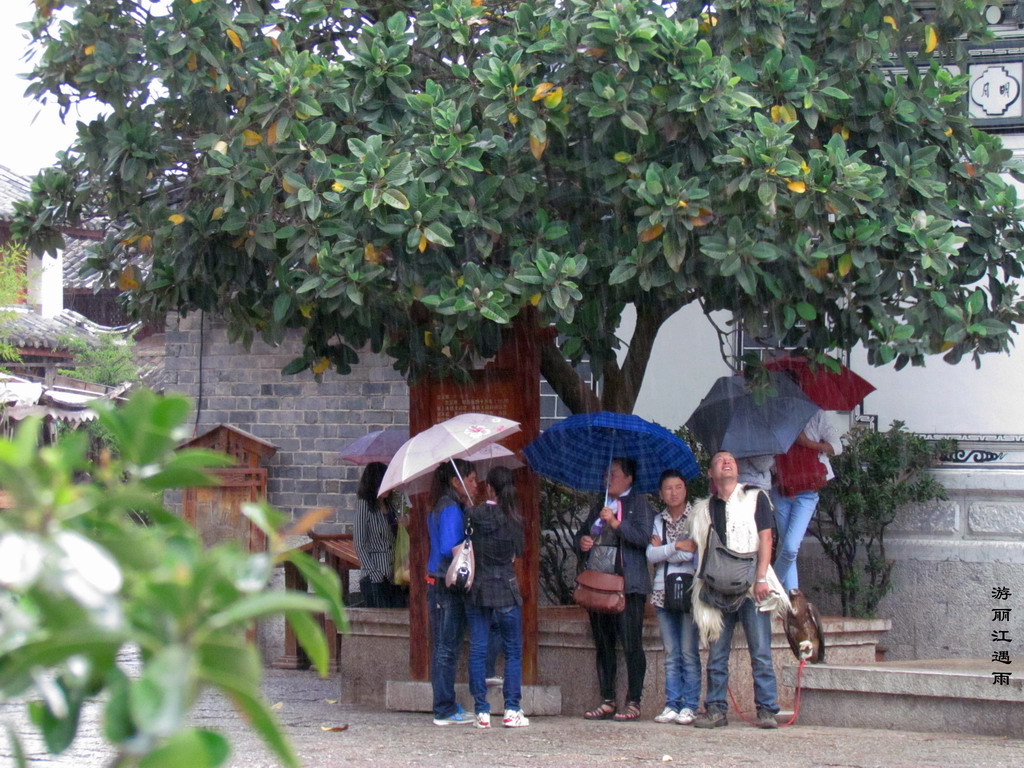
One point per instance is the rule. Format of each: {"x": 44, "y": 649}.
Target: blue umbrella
{"x": 576, "y": 451}
{"x": 732, "y": 418}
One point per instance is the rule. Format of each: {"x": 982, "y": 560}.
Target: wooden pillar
{"x": 508, "y": 386}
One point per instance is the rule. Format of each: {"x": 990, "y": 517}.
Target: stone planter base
{"x": 374, "y": 661}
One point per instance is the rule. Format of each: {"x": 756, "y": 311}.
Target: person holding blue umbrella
{"x": 614, "y": 539}
{"x": 623, "y": 456}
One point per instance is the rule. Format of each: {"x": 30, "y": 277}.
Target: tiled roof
{"x": 24, "y": 328}
{"x": 22, "y": 397}
{"x": 12, "y": 187}
{"x": 76, "y": 253}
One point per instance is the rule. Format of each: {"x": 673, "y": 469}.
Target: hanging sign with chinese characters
{"x": 997, "y": 74}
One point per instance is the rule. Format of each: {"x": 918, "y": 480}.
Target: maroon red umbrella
{"x": 842, "y": 391}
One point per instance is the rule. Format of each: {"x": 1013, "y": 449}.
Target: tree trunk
{"x": 563, "y": 378}
{"x": 620, "y": 385}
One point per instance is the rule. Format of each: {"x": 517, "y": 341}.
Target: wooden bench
{"x": 337, "y": 551}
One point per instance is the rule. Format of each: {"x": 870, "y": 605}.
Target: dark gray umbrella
{"x": 732, "y": 418}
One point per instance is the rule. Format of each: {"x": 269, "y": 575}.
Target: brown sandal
{"x": 632, "y": 712}
{"x": 604, "y": 712}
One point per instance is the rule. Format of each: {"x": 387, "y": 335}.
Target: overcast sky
{"x": 30, "y": 134}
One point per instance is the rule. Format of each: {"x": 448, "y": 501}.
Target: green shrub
{"x": 82, "y": 582}
{"x": 877, "y": 474}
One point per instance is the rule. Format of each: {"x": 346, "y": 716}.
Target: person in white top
{"x": 793, "y": 513}
{"x": 671, "y": 550}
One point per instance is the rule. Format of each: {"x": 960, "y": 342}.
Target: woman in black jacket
{"x": 497, "y": 541}
{"x": 614, "y": 539}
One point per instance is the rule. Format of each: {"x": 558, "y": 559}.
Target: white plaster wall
{"x": 684, "y": 364}
{"x": 45, "y": 284}
{"x": 948, "y": 398}
{"x": 935, "y": 398}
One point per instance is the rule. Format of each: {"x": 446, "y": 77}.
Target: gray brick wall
{"x": 308, "y": 422}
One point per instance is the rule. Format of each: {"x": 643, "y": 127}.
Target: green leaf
{"x": 622, "y": 272}
{"x": 806, "y": 311}
{"x": 179, "y": 477}
{"x": 395, "y": 199}
{"x": 58, "y": 730}
{"x": 325, "y": 132}
{"x": 439, "y": 234}
{"x": 495, "y": 314}
{"x": 835, "y": 93}
{"x": 746, "y": 99}
{"x": 117, "y": 720}
{"x": 903, "y": 332}
{"x": 17, "y": 750}
{"x": 324, "y": 582}
{"x": 17, "y": 664}
{"x": 311, "y": 637}
{"x": 252, "y": 607}
{"x": 634, "y": 121}
{"x": 161, "y": 697}
{"x": 263, "y": 516}
{"x": 298, "y": 365}
{"x": 195, "y": 748}
{"x": 247, "y": 697}
{"x": 281, "y": 306}
{"x": 976, "y": 302}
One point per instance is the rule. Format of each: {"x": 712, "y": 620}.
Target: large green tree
{"x": 413, "y": 175}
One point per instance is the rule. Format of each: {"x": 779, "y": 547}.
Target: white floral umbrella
{"x": 454, "y": 438}
{"x": 484, "y": 459}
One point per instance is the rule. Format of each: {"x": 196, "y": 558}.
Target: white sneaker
{"x": 668, "y": 715}
{"x": 514, "y": 718}
{"x": 483, "y": 719}
{"x": 685, "y": 716}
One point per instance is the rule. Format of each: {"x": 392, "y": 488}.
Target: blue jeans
{"x": 792, "y": 514}
{"x": 510, "y": 626}
{"x": 682, "y": 660}
{"x": 757, "y": 626}
{"x": 447, "y": 624}
{"x": 494, "y": 644}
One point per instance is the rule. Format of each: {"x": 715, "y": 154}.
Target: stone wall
{"x": 949, "y": 555}
{"x": 308, "y": 422}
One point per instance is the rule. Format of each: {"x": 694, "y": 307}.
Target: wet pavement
{"x": 308, "y": 713}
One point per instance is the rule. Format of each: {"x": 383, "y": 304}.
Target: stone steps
{"x": 939, "y": 695}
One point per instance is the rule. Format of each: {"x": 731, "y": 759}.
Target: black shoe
{"x": 766, "y": 719}
{"x": 713, "y": 718}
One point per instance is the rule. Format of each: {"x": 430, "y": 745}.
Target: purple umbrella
{"x": 380, "y": 445}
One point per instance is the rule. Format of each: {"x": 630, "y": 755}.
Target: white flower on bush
{"x": 21, "y": 560}
{"x": 90, "y": 576}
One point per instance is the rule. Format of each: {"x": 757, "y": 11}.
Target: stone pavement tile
{"x": 381, "y": 739}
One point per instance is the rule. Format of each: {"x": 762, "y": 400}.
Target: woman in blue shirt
{"x": 454, "y": 488}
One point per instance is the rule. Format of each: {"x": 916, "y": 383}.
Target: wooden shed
{"x": 216, "y": 511}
